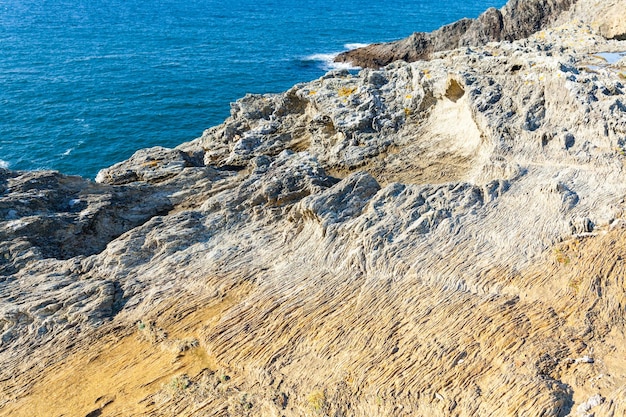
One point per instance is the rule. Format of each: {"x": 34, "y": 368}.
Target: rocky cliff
{"x": 518, "y": 19}
{"x": 444, "y": 237}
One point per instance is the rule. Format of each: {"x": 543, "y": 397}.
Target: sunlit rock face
{"x": 443, "y": 237}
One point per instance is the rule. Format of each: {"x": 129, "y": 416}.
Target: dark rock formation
{"x": 518, "y": 19}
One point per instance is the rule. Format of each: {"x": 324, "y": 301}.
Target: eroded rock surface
{"x": 435, "y": 238}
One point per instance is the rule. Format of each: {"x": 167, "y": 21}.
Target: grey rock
{"x": 456, "y": 212}
{"x": 516, "y": 20}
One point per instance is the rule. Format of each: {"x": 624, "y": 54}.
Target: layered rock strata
{"x": 436, "y": 238}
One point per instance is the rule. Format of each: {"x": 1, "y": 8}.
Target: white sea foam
{"x": 67, "y": 152}
{"x": 343, "y": 65}
{"x": 350, "y": 46}
{"x": 321, "y": 57}
{"x": 327, "y": 61}
{"x": 4, "y": 164}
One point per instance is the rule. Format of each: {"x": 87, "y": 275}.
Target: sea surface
{"x": 85, "y": 83}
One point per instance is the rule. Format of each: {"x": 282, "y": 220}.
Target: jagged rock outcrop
{"x": 518, "y": 19}
{"x": 435, "y": 238}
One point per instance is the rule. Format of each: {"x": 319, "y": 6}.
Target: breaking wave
{"x": 326, "y": 61}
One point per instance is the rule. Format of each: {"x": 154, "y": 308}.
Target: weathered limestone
{"x": 605, "y": 17}
{"x": 435, "y": 238}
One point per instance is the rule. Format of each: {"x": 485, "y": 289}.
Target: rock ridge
{"x": 518, "y": 19}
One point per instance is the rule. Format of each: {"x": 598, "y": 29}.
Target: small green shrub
{"x": 180, "y": 383}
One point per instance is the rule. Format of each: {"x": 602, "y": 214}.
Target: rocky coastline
{"x": 518, "y": 19}
{"x": 443, "y": 237}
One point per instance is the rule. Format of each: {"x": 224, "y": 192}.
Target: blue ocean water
{"x": 85, "y": 83}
